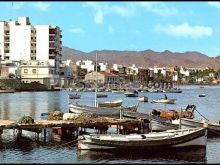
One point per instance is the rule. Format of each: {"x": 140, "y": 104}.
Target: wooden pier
{"x": 123, "y": 126}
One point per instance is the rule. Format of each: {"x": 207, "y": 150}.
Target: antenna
{"x": 96, "y": 80}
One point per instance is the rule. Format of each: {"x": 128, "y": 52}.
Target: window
{"x": 34, "y": 71}
{"x": 25, "y": 71}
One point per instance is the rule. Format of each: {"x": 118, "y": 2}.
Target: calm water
{"x": 15, "y": 105}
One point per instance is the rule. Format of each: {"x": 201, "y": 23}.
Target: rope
{"x": 201, "y": 114}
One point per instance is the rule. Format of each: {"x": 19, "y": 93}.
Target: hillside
{"x": 146, "y": 58}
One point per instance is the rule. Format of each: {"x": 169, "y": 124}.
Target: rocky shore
{"x": 17, "y": 85}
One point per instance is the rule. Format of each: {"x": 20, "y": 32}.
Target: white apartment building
{"x": 19, "y": 40}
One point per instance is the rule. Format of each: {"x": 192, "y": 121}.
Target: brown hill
{"x": 146, "y": 58}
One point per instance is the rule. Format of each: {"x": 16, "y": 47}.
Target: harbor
{"x": 37, "y": 103}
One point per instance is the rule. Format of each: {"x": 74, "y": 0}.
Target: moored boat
{"x": 101, "y": 95}
{"x": 166, "y": 139}
{"x": 131, "y": 93}
{"x": 74, "y": 96}
{"x": 202, "y": 95}
{"x": 143, "y": 99}
{"x": 172, "y": 90}
{"x": 113, "y": 103}
{"x": 162, "y": 120}
{"x": 214, "y": 128}
{"x": 101, "y": 111}
{"x": 165, "y": 101}
{"x": 190, "y": 123}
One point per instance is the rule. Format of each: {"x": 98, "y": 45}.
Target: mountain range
{"x": 146, "y": 58}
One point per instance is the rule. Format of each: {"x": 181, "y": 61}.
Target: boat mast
{"x": 96, "y": 80}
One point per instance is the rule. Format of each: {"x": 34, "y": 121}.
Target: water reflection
{"x": 187, "y": 155}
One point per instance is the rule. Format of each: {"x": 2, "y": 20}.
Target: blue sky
{"x": 87, "y": 26}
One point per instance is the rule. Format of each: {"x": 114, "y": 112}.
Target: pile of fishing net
{"x": 89, "y": 118}
{"x": 26, "y": 120}
{"x": 55, "y": 115}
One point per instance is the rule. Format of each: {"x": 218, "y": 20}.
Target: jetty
{"x": 101, "y": 124}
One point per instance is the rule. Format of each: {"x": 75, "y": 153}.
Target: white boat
{"x": 162, "y": 125}
{"x": 143, "y": 99}
{"x": 172, "y": 90}
{"x": 166, "y": 139}
{"x": 131, "y": 93}
{"x": 162, "y": 120}
{"x": 214, "y": 128}
{"x": 165, "y": 101}
{"x": 113, "y": 103}
{"x": 190, "y": 123}
{"x": 116, "y": 91}
{"x": 101, "y": 111}
{"x": 202, "y": 95}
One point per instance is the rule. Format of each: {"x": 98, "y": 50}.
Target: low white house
{"x": 86, "y": 64}
{"x": 37, "y": 71}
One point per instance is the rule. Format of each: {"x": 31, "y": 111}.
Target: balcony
{"x": 7, "y": 34}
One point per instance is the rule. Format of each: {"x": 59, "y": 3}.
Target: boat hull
{"x": 214, "y": 128}
{"x": 189, "y": 123}
{"x": 131, "y": 94}
{"x": 165, "y": 101}
{"x": 101, "y": 111}
{"x": 143, "y": 99}
{"x": 110, "y": 104}
{"x": 162, "y": 125}
{"x": 174, "y": 138}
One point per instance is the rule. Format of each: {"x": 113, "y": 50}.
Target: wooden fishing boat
{"x": 166, "y": 139}
{"x": 162, "y": 120}
{"x": 143, "y": 99}
{"x": 190, "y": 123}
{"x": 113, "y": 103}
{"x": 162, "y": 125}
{"x": 101, "y": 95}
{"x": 131, "y": 93}
{"x": 74, "y": 96}
{"x": 214, "y": 128}
{"x": 172, "y": 90}
{"x": 101, "y": 111}
{"x": 165, "y": 101}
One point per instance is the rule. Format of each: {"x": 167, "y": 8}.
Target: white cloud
{"x": 42, "y": 6}
{"x": 185, "y": 30}
{"x": 125, "y": 11}
{"x": 77, "y": 30}
{"x": 17, "y": 5}
{"x": 158, "y": 8}
{"x": 110, "y": 29}
{"x": 102, "y": 9}
{"x": 215, "y": 4}
{"x": 99, "y": 16}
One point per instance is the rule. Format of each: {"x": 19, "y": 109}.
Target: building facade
{"x": 19, "y": 40}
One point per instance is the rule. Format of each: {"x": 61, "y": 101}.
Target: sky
{"x": 127, "y": 25}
